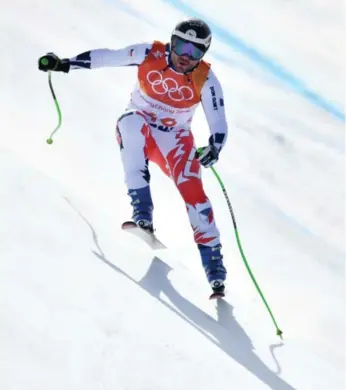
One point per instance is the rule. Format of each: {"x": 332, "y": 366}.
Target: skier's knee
{"x": 131, "y": 117}
{"x": 192, "y": 192}
{"x": 130, "y": 126}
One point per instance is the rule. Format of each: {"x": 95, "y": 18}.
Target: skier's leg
{"x": 179, "y": 149}
{"x": 132, "y": 133}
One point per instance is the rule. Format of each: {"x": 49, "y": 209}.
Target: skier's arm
{"x": 127, "y": 56}
{"x": 213, "y": 106}
{"x": 99, "y": 58}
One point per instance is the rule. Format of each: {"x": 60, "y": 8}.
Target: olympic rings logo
{"x": 168, "y": 86}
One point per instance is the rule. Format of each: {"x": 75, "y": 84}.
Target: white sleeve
{"x": 214, "y": 109}
{"x": 99, "y": 58}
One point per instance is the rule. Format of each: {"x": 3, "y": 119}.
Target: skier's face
{"x": 182, "y": 63}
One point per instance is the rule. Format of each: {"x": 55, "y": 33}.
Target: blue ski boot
{"x": 142, "y": 208}
{"x": 213, "y": 266}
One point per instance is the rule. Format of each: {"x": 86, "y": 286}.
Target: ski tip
{"x": 217, "y": 295}
{"x": 148, "y": 237}
{"x": 128, "y": 225}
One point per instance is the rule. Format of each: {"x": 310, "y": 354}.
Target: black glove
{"x": 52, "y": 62}
{"x": 208, "y": 155}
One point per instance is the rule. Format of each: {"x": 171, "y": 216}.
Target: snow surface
{"x": 84, "y": 305}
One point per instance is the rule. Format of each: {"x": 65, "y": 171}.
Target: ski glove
{"x": 52, "y": 62}
{"x": 208, "y": 155}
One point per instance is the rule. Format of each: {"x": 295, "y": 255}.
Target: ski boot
{"x": 214, "y": 269}
{"x": 142, "y": 204}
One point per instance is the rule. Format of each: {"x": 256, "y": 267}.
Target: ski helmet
{"x": 195, "y": 31}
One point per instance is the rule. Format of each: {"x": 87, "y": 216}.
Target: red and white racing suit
{"x": 156, "y": 124}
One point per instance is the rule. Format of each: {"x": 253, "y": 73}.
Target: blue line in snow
{"x": 263, "y": 61}
{"x": 123, "y": 6}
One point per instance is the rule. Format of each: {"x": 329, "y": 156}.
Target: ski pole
{"x": 278, "y": 330}
{"x": 50, "y": 139}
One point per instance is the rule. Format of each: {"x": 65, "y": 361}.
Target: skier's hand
{"x": 208, "y": 155}
{"x": 52, "y": 62}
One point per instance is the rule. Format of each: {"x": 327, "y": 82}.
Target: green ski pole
{"x": 278, "y": 330}
{"x": 50, "y": 139}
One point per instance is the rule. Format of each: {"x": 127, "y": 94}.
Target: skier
{"x": 172, "y": 80}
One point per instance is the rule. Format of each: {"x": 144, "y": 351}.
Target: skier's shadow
{"x": 226, "y": 332}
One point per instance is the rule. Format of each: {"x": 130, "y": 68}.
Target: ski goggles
{"x": 184, "y": 48}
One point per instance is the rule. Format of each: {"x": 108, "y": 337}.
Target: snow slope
{"x": 85, "y": 306}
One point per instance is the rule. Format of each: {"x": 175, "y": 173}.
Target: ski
{"x": 148, "y": 237}
{"x": 217, "y": 295}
